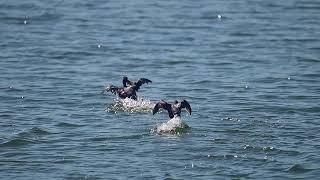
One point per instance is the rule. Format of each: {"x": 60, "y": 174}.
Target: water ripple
{"x": 299, "y": 168}
{"x": 16, "y": 142}
{"x": 249, "y": 70}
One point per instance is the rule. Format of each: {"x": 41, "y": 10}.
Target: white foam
{"x": 137, "y": 103}
{"x": 174, "y": 125}
{"x": 130, "y": 105}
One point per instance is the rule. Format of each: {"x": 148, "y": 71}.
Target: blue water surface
{"x": 249, "y": 69}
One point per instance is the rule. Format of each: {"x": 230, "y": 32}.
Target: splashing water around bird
{"x": 174, "y": 126}
{"x": 130, "y": 105}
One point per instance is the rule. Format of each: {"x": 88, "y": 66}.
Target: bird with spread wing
{"x": 173, "y": 109}
{"x": 129, "y": 88}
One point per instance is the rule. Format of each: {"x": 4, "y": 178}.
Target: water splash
{"x": 173, "y": 126}
{"x": 130, "y": 105}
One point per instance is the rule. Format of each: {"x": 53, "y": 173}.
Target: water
{"x": 249, "y": 69}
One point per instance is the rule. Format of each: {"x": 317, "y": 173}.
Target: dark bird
{"x": 173, "y": 109}
{"x": 129, "y": 88}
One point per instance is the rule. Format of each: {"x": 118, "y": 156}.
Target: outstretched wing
{"x": 144, "y": 80}
{"x": 140, "y": 82}
{"x": 185, "y": 104}
{"x": 113, "y": 89}
{"x": 161, "y": 104}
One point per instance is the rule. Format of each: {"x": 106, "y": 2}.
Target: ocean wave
{"x": 269, "y": 149}
{"x": 16, "y": 142}
{"x": 298, "y": 168}
{"x": 69, "y": 125}
{"x": 35, "y": 131}
{"x": 224, "y": 156}
{"x": 28, "y": 136}
{"x": 123, "y": 137}
{"x": 42, "y": 17}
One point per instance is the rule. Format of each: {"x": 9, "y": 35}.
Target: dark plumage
{"x": 173, "y": 109}
{"x": 129, "y": 88}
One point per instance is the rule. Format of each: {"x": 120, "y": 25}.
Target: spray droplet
{"x": 99, "y": 45}
{"x": 219, "y": 16}
{"x": 289, "y": 78}
{"x": 247, "y": 86}
{"x": 192, "y": 165}
{"x": 25, "y": 22}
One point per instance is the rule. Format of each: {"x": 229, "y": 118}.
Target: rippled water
{"x": 250, "y": 70}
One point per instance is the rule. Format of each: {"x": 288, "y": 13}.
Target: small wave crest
{"x": 28, "y": 136}
{"x": 271, "y": 149}
{"x": 173, "y": 126}
{"x": 33, "y": 132}
{"x": 130, "y": 105}
{"x": 15, "y": 142}
{"x": 298, "y": 168}
{"x": 68, "y": 125}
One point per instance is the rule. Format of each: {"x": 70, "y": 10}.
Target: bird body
{"x": 173, "y": 109}
{"x": 129, "y": 88}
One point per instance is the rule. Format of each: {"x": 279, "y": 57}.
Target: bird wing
{"x": 140, "y": 82}
{"x": 113, "y": 89}
{"x": 185, "y": 104}
{"x": 161, "y": 104}
{"x": 144, "y": 80}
